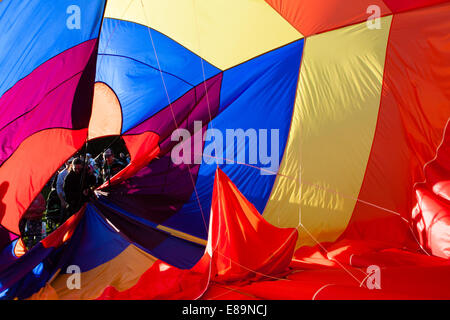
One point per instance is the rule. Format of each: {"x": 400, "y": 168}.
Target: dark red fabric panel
{"x": 404, "y": 5}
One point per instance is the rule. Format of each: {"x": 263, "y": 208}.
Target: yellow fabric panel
{"x": 106, "y": 117}
{"x": 331, "y": 134}
{"x": 183, "y": 235}
{"x": 223, "y": 32}
{"x": 122, "y": 273}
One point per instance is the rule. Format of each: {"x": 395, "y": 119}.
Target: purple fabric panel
{"x": 175, "y": 251}
{"x": 161, "y": 188}
{"x": 84, "y": 95}
{"x": 12, "y": 269}
{"x": 158, "y": 190}
{"x": 44, "y": 110}
{"x": 27, "y": 93}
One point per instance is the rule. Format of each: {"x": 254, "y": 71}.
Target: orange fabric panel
{"x": 20, "y": 249}
{"x": 312, "y": 17}
{"x": 106, "y": 116}
{"x": 413, "y": 112}
{"x": 141, "y": 145}
{"x": 25, "y": 173}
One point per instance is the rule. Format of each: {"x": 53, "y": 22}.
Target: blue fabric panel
{"x": 258, "y": 94}
{"x": 128, "y": 64}
{"x": 145, "y": 234}
{"x": 95, "y": 242}
{"x": 178, "y": 252}
{"x": 33, "y": 32}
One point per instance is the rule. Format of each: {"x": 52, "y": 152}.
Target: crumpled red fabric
{"x": 237, "y": 252}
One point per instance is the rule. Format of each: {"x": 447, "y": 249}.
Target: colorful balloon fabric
{"x": 352, "y": 99}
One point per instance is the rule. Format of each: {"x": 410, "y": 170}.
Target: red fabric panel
{"x": 404, "y": 274}
{"x": 315, "y": 289}
{"x": 227, "y": 292}
{"x": 56, "y": 238}
{"x": 413, "y": 112}
{"x": 30, "y": 167}
{"x": 334, "y": 292}
{"x": 396, "y": 283}
{"x": 344, "y": 252}
{"x": 432, "y": 219}
{"x": 143, "y": 148}
{"x": 359, "y": 254}
{"x": 36, "y": 209}
{"x": 312, "y": 17}
{"x": 141, "y": 145}
{"x": 418, "y": 282}
{"x": 403, "y": 5}
{"x": 64, "y": 232}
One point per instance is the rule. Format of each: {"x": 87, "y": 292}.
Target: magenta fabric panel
{"x": 31, "y": 102}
